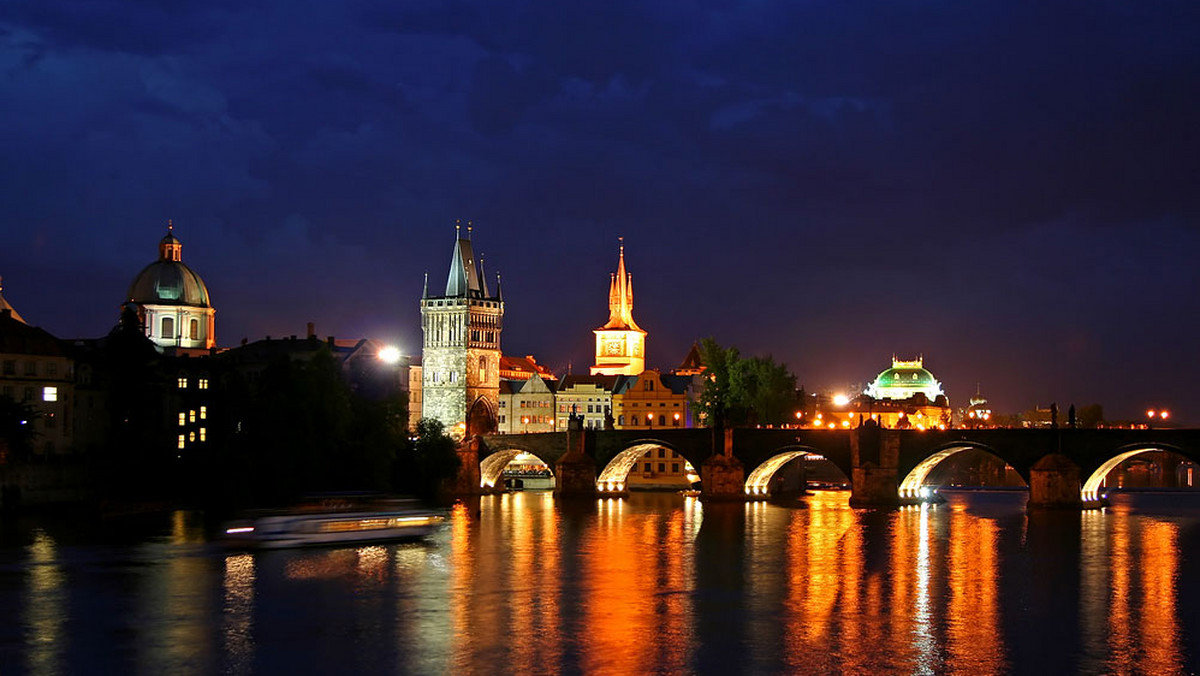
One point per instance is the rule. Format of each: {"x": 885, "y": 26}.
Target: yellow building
{"x": 621, "y": 343}
{"x": 651, "y": 400}
{"x": 662, "y": 469}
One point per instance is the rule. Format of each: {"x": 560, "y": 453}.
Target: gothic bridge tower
{"x": 460, "y": 355}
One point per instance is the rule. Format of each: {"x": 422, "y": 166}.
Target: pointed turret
{"x": 620, "y": 297}
{"x": 425, "y": 287}
{"x": 499, "y": 293}
{"x": 620, "y": 343}
{"x": 5, "y": 307}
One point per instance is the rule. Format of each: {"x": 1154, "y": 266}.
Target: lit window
{"x": 203, "y": 412}
{"x": 182, "y": 382}
{"x": 192, "y": 415}
{"x": 203, "y": 434}
{"x": 202, "y": 383}
{"x": 49, "y": 394}
{"x": 182, "y": 441}
{"x": 191, "y": 436}
{"x": 182, "y": 418}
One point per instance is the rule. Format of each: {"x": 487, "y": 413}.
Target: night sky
{"x": 1009, "y": 188}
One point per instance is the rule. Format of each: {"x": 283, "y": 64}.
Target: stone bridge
{"x": 1063, "y": 467}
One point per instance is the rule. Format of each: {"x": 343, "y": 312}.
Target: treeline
{"x": 741, "y": 391}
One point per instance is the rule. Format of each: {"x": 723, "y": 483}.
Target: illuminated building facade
{"x": 460, "y": 354}
{"x": 662, "y": 468}
{"x": 173, "y": 301}
{"x": 652, "y": 400}
{"x": 620, "y": 343}
{"x": 36, "y": 370}
{"x": 527, "y": 406}
{"x": 589, "y": 397}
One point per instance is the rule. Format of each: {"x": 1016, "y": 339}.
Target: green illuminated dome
{"x": 903, "y": 380}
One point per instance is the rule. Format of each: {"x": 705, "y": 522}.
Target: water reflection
{"x": 646, "y": 584}
{"x": 45, "y": 607}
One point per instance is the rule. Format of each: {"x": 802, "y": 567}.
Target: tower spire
{"x": 425, "y": 287}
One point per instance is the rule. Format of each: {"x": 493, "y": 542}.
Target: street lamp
{"x": 525, "y": 422}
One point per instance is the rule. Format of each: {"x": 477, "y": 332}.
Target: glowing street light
{"x": 389, "y": 355}
{"x": 840, "y": 400}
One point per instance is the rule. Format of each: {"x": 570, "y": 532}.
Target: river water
{"x": 656, "y": 583}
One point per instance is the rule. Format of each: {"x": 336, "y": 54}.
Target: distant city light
{"x": 840, "y": 400}
{"x": 389, "y": 355}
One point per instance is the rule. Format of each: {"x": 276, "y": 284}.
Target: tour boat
{"x": 334, "y": 523}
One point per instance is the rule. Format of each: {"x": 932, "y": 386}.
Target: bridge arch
{"x": 912, "y": 486}
{"x": 759, "y": 480}
{"x": 1090, "y": 493}
{"x": 492, "y": 467}
{"x": 614, "y": 478}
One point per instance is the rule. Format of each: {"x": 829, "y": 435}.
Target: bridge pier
{"x": 575, "y": 471}
{"x": 874, "y": 462}
{"x": 1054, "y": 483}
{"x": 466, "y": 482}
{"x": 722, "y": 476}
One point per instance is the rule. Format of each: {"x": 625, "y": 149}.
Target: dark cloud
{"x": 1006, "y": 188}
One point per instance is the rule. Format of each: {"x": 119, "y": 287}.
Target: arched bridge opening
{"x": 759, "y": 483}
{"x": 1094, "y": 488}
{"x": 661, "y": 466}
{"x": 492, "y": 468}
{"x": 914, "y": 485}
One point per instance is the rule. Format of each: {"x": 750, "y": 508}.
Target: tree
{"x": 739, "y": 391}
{"x": 766, "y": 391}
{"x": 1091, "y": 416}
{"x": 715, "y": 400}
{"x": 429, "y": 460}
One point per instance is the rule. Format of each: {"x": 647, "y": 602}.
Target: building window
{"x": 662, "y": 452}
{"x": 10, "y": 367}
{"x": 662, "y": 420}
{"x": 182, "y": 418}
{"x": 49, "y": 394}
{"x": 194, "y": 329}
{"x": 202, "y": 383}
{"x": 203, "y": 412}
{"x": 182, "y": 382}
{"x": 647, "y": 468}
{"x": 182, "y": 440}
{"x": 675, "y": 468}
{"x": 28, "y": 394}
{"x": 621, "y": 420}
{"x": 52, "y": 369}
{"x": 192, "y": 436}
{"x": 662, "y": 467}
{"x": 192, "y": 415}
{"x": 203, "y": 434}
{"x": 31, "y": 368}
{"x": 483, "y": 368}
{"x": 168, "y": 327}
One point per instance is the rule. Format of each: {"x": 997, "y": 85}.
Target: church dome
{"x": 168, "y": 281}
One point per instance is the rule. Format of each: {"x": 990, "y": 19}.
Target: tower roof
{"x": 12, "y": 312}
{"x": 620, "y": 298}
{"x": 466, "y": 272}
